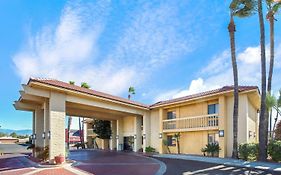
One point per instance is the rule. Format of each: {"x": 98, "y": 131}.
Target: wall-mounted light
{"x": 43, "y": 135}
{"x": 160, "y": 135}
{"x": 135, "y": 136}
{"x": 221, "y": 133}
{"x": 110, "y": 137}
{"x": 250, "y": 134}
{"x": 144, "y": 136}
{"x": 49, "y": 134}
{"x": 255, "y": 134}
{"x": 34, "y": 136}
{"x": 117, "y": 136}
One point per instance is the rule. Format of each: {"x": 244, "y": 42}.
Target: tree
{"x": 131, "y": 91}
{"x": 277, "y": 131}
{"x": 14, "y": 135}
{"x": 85, "y": 85}
{"x": 278, "y": 105}
{"x": 263, "y": 129}
{"x": 272, "y": 9}
{"x": 165, "y": 142}
{"x": 81, "y": 131}
{"x": 102, "y": 128}
{"x": 177, "y": 137}
{"x": 239, "y": 8}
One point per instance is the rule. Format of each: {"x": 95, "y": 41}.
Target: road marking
{"x": 203, "y": 170}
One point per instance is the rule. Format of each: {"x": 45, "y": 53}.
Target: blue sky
{"x": 164, "y": 49}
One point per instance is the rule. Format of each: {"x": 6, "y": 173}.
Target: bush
{"x": 274, "y": 150}
{"x": 212, "y": 149}
{"x": 150, "y": 149}
{"x": 248, "y": 151}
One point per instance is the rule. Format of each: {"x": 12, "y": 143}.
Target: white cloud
{"x": 218, "y": 72}
{"x": 70, "y": 49}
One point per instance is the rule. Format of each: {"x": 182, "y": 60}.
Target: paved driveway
{"x": 14, "y": 148}
{"x": 187, "y": 167}
{"x": 114, "y": 163}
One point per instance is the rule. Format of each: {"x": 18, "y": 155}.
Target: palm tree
{"x": 131, "y": 91}
{"x": 81, "y": 130}
{"x": 263, "y": 115}
{"x": 177, "y": 137}
{"x": 278, "y": 105}
{"x": 69, "y": 122}
{"x": 239, "y": 8}
{"x": 272, "y": 9}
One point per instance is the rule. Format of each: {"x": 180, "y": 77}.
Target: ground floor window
{"x": 213, "y": 138}
{"x": 171, "y": 141}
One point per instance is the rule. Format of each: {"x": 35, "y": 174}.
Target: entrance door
{"x": 128, "y": 143}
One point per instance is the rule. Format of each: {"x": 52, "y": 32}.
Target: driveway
{"x": 14, "y": 148}
{"x": 100, "y": 162}
{"x": 186, "y": 167}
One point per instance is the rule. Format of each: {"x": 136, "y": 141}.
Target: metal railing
{"x": 202, "y": 122}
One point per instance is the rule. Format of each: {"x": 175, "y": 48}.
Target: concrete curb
{"x": 276, "y": 167}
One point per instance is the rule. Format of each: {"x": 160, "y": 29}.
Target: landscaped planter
{"x": 59, "y": 159}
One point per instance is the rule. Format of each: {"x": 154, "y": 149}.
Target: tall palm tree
{"x": 272, "y": 7}
{"x": 81, "y": 129}
{"x": 131, "y": 91}
{"x": 263, "y": 115}
{"x": 239, "y": 8}
{"x": 69, "y": 122}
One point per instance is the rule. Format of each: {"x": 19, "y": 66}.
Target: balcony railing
{"x": 204, "y": 122}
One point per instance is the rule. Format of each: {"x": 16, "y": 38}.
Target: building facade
{"x": 199, "y": 118}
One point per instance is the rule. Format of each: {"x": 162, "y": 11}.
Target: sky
{"x": 165, "y": 49}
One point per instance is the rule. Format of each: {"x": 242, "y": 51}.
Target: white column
{"x": 46, "y": 122}
{"x": 137, "y": 133}
{"x": 39, "y": 127}
{"x": 119, "y": 136}
{"x": 113, "y": 135}
{"x": 146, "y": 131}
{"x": 57, "y": 125}
{"x": 33, "y": 132}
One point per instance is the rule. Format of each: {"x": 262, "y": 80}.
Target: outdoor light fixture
{"x": 144, "y": 136}
{"x": 34, "y": 136}
{"x": 43, "y": 135}
{"x": 110, "y": 137}
{"x": 160, "y": 135}
{"x": 135, "y": 136}
{"x": 49, "y": 134}
{"x": 117, "y": 136}
{"x": 221, "y": 133}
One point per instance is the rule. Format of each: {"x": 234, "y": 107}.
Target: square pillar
{"x": 119, "y": 136}
{"x": 113, "y": 135}
{"x": 46, "y": 123}
{"x": 222, "y": 126}
{"x": 161, "y": 117}
{"x": 137, "y": 133}
{"x": 39, "y": 127}
{"x": 146, "y": 131}
{"x": 33, "y": 132}
{"x": 56, "y": 125}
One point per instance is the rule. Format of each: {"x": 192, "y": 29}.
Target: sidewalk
{"x": 226, "y": 161}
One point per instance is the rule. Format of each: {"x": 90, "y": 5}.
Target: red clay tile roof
{"x": 202, "y": 94}
{"x": 68, "y": 86}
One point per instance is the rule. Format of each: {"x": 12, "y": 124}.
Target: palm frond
{"x": 270, "y": 101}
{"x": 243, "y": 8}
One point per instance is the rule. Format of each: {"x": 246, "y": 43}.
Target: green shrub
{"x": 274, "y": 150}
{"x": 150, "y": 149}
{"x": 212, "y": 149}
{"x": 248, "y": 151}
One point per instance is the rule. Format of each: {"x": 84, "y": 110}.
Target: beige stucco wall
{"x": 128, "y": 126}
{"x": 252, "y": 123}
{"x": 154, "y": 137}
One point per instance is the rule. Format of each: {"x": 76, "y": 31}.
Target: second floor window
{"x": 171, "y": 115}
{"x": 213, "y": 109}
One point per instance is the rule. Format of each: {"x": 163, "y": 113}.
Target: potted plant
{"x": 59, "y": 159}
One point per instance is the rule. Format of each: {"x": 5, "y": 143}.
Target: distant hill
{"x": 18, "y": 132}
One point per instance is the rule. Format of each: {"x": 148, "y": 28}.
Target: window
{"x": 213, "y": 138}
{"x": 171, "y": 141}
{"x": 213, "y": 109}
{"x": 171, "y": 115}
